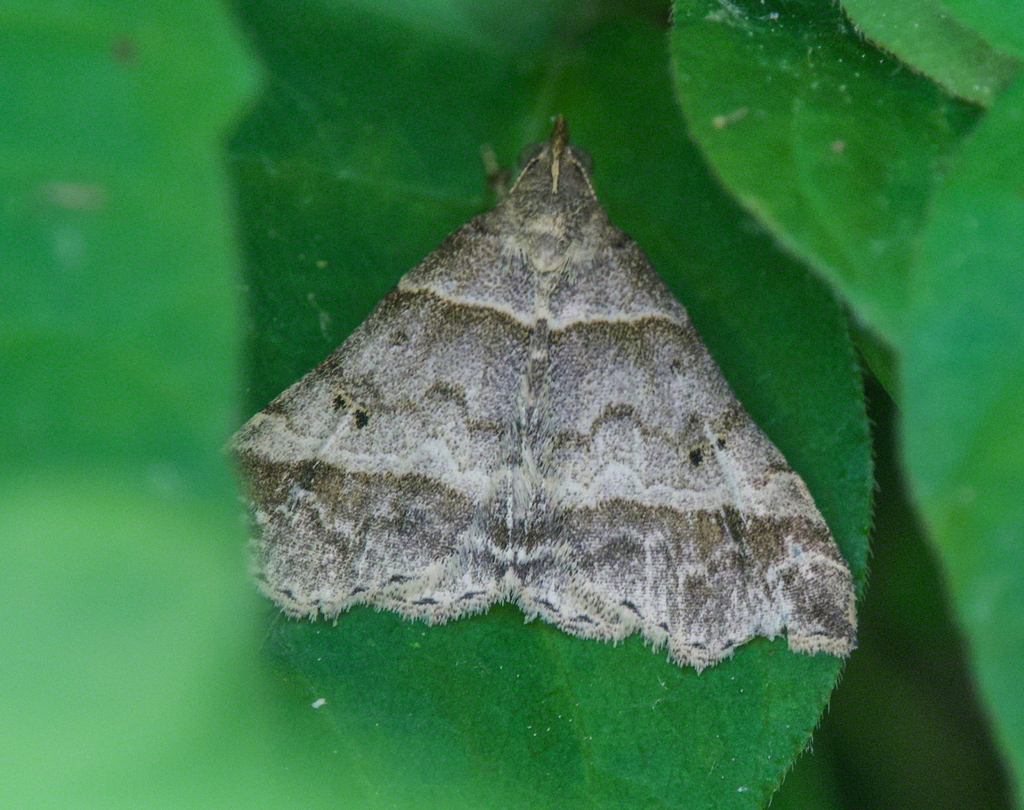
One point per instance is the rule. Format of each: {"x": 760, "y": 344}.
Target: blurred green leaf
{"x": 363, "y": 155}
{"x": 905, "y": 728}
{"x": 1001, "y": 22}
{"x": 931, "y": 40}
{"x": 964, "y": 425}
{"x": 127, "y": 654}
{"x": 116, "y": 651}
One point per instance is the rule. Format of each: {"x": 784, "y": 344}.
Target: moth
{"x": 530, "y": 416}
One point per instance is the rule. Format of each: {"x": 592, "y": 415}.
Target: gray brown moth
{"x": 530, "y": 416}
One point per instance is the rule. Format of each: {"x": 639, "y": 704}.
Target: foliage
{"x": 789, "y": 170}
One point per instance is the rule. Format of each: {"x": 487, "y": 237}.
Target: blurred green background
{"x": 201, "y": 200}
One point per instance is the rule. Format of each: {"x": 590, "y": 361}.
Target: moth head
{"x": 556, "y": 164}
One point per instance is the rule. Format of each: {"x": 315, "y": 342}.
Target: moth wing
{"x": 371, "y": 477}
{"x": 676, "y": 516}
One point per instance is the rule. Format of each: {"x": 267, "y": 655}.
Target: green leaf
{"x": 917, "y": 221}
{"x": 127, "y": 649}
{"x": 905, "y": 728}
{"x": 964, "y": 426}
{"x": 363, "y": 155}
{"x": 931, "y": 40}
{"x": 831, "y": 143}
{"x": 124, "y": 625}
